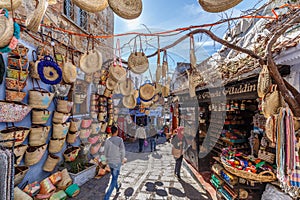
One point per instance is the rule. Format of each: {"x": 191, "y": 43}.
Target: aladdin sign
{"x": 232, "y": 90}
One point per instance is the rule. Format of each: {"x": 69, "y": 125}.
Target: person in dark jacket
{"x": 153, "y": 137}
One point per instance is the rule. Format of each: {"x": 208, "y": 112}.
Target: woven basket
{"x": 75, "y": 124}
{"x": 265, "y": 176}
{"x": 86, "y": 123}
{"x": 138, "y": 62}
{"x": 7, "y": 4}
{"x": 91, "y": 5}
{"x": 117, "y": 73}
{"x": 71, "y": 153}
{"x": 93, "y": 138}
{"x": 14, "y": 84}
{"x": 46, "y": 186}
{"x": 147, "y": 92}
{"x": 60, "y": 130}
{"x": 66, "y": 180}
{"x": 79, "y": 98}
{"x": 64, "y": 106}
{"x": 272, "y": 102}
{"x": 19, "y": 132}
{"x": 17, "y": 62}
{"x": 40, "y": 98}
{"x": 38, "y": 135}
{"x": 6, "y": 29}
{"x": 20, "y": 195}
{"x": 56, "y": 145}
{"x": 34, "y": 20}
{"x": 19, "y": 152}
{"x": 14, "y": 73}
{"x": 34, "y": 154}
{"x": 267, "y": 156}
{"x": 11, "y": 95}
{"x": 264, "y": 82}
{"x": 72, "y": 136}
{"x": 51, "y": 162}
{"x": 40, "y": 116}
{"x": 218, "y": 6}
{"x": 59, "y": 117}
{"x": 95, "y": 148}
{"x": 85, "y": 133}
{"x": 96, "y": 127}
{"x": 127, "y": 9}
{"x": 20, "y": 172}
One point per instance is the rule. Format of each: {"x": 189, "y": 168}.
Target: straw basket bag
{"x": 11, "y": 95}
{"x": 79, "y": 98}
{"x": 64, "y": 106}
{"x": 129, "y": 101}
{"x": 86, "y": 122}
{"x": 7, "y": 4}
{"x": 38, "y": 135}
{"x": 74, "y": 124}
{"x": 34, "y": 154}
{"x": 96, "y": 127}
{"x": 60, "y": 130}
{"x": 91, "y": 5}
{"x": 95, "y": 148}
{"x": 117, "y": 72}
{"x": 34, "y": 20}
{"x": 40, "y": 98}
{"x": 71, "y": 153}
{"x": 91, "y": 61}
{"x": 20, "y": 195}
{"x": 218, "y": 6}
{"x": 270, "y": 129}
{"x": 272, "y": 102}
{"x": 127, "y": 9}
{"x": 46, "y": 186}
{"x": 127, "y": 87}
{"x": 19, "y": 133}
{"x": 56, "y": 145}
{"x": 85, "y": 133}
{"x": 59, "y": 117}
{"x": 66, "y": 180}
{"x": 147, "y": 91}
{"x": 138, "y": 62}
{"x": 72, "y": 136}
{"x": 264, "y": 82}
{"x": 20, "y": 172}
{"x": 69, "y": 71}
{"x": 51, "y": 162}
{"x": 6, "y": 28}
{"x": 19, "y": 152}
{"x": 40, "y": 116}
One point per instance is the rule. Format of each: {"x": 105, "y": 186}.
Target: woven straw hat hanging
{"x": 6, "y": 28}
{"x": 138, "y": 61}
{"x": 218, "y": 6}
{"x": 129, "y": 101}
{"x": 91, "y": 5}
{"x": 127, "y": 9}
{"x": 7, "y": 4}
{"x": 91, "y": 61}
{"x": 127, "y": 87}
{"x": 164, "y": 68}
{"x": 34, "y": 20}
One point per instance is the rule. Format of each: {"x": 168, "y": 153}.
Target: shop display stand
{"x": 254, "y": 185}
{"x": 12, "y": 176}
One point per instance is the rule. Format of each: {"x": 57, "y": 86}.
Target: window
{"x": 75, "y": 14}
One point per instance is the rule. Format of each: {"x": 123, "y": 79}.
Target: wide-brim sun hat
{"x": 127, "y": 9}
{"x": 34, "y": 20}
{"x": 127, "y": 87}
{"x": 91, "y": 5}
{"x": 117, "y": 72}
{"x": 7, "y": 4}
{"x": 218, "y": 6}
{"x": 138, "y": 62}
{"x": 110, "y": 84}
{"x": 147, "y": 92}
{"x": 6, "y": 28}
{"x": 129, "y": 101}
{"x": 91, "y": 61}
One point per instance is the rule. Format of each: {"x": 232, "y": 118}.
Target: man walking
{"x": 114, "y": 151}
{"x": 153, "y": 138}
{"x": 141, "y": 135}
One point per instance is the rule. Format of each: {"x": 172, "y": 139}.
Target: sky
{"x": 160, "y": 15}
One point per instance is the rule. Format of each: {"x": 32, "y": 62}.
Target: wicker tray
{"x": 265, "y": 176}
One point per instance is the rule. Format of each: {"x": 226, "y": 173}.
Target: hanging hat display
{"x": 129, "y": 101}
{"x": 218, "y": 6}
{"x": 49, "y": 72}
{"x": 127, "y": 87}
{"x": 127, "y": 9}
{"x": 7, "y": 4}
{"x": 91, "y": 5}
{"x": 34, "y": 20}
{"x": 138, "y": 61}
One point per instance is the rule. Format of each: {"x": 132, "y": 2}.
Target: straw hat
{"x": 129, "y": 101}
{"x": 117, "y": 89}
{"x": 34, "y": 20}
{"x": 138, "y": 62}
{"x": 117, "y": 73}
{"x": 147, "y": 91}
{"x": 91, "y": 61}
{"x": 127, "y": 87}
{"x": 6, "y": 29}
{"x": 69, "y": 72}
{"x": 91, "y": 5}
{"x": 218, "y": 6}
{"x": 110, "y": 83}
{"x": 127, "y": 9}
{"x": 6, "y": 4}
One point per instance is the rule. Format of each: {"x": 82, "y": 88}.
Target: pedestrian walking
{"x": 114, "y": 151}
{"x": 179, "y": 145}
{"x": 153, "y": 137}
{"x": 140, "y": 134}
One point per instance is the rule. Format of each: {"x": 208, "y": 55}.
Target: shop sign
{"x": 228, "y": 91}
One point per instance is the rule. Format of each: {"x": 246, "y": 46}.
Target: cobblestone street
{"x": 147, "y": 175}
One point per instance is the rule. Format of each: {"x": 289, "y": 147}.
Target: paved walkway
{"x": 147, "y": 175}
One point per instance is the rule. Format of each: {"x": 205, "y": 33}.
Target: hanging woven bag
{"x": 51, "y": 162}
{"x": 19, "y": 152}
{"x": 40, "y": 116}
{"x": 64, "y": 106}
{"x": 264, "y": 82}
{"x": 71, "y": 153}
{"x": 218, "y": 6}
{"x": 66, "y": 180}
{"x": 59, "y": 117}
{"x": 14, "y": 132}
{"x": 34, "y": 154}
{"x": 20, "y": 172}
{"x": 40, "y": 98}
{"x": 56, "y": 145}
{"x": 272, "y": 102}
{"x": 38, "y": 135}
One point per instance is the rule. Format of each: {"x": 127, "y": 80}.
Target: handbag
{"x": 32, "y": 189}
{"x": 145, "y": 143}
{"x": 264, "y": 82}
{"x": 34, "y": 154}
{"x": 59, "y": 117}
{"x": 40, "y": 98}
{"x": 272, "y": 101}
{"x": 19, "y": 152}
{"x": 64, "y": 106}
{"x": 85, "y": 133}
{"x": 86, "y": 122}
{"x": 60, "y": 195}
{"x": 51, "y": 162}
{"x": 13, "y": 111}
{"x": 266, "y": 156}
{"x": 72, "y": 136}
{"x": 73, "y": 190}
{"x": 71, "y": 153}
{"x": 40, "y": 116}
{"x": 270, "y": 129}
{"x": 14, "y": 132}
{"x": 21, "y": 195}
{"x": 61, "y": 90}
{"x": 60, "y": 130}
{"x": 49, "y": 72}
{"x": 74, "y": 124}
{"x": 95, "y": 148}
{"x": 20, "y": 173}
{"x": 46, "y": 186}
{"x": 56, "y": 145}
{"x": 56, "y": 177}
{"x": 66, "y": 180}
{"x": 11, "y": 95}
{"x": 38, "y": 135}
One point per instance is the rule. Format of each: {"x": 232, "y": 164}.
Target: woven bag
{"x": 20, "y": 195}
{"x": 165, "y": 66}
{"x": 60, "y": 130}
{"x": 64, "y": 106}
{"x": 264, "y": 82}
{"x": 19, "y": 152}
{"x": 272, "y": 102}
{"x": 38, "y": 135}
{"x": 34, "y": 154}
{"x": 51, "y": 162}
{"x": 270, "y": 129}
{"x": 71, "y": 153}
{"x": 56, "y": 145}
{"x": 40, "y": 98}
{"x": 20, "y": 172}
{"x": 72, "y": 136}
{"x": 96, "y": 127}
{"x": 267, "y": 156}
{"x": 85, "y": 133}
{"x": 13, "y": 111}
{"x": 218, "y": 6}
{"x": 46, "y": 186}
{"x": 75, "y": 124}
{"x": 61, "y": 90}
{"x": 95, "y": 148}
{"x": 19, "y": 133}
{"x": 11, "y": 95}
{"x": 147, "y": 91}
{"x": 86, "y": 122}
{"x": 66, "y": 180}
{"x": 56, "y": 178}
{"x": 59, "y": 117}
{"x": 40, "y": 116}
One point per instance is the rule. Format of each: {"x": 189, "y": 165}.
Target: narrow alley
{"x": 147, "y": 175}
